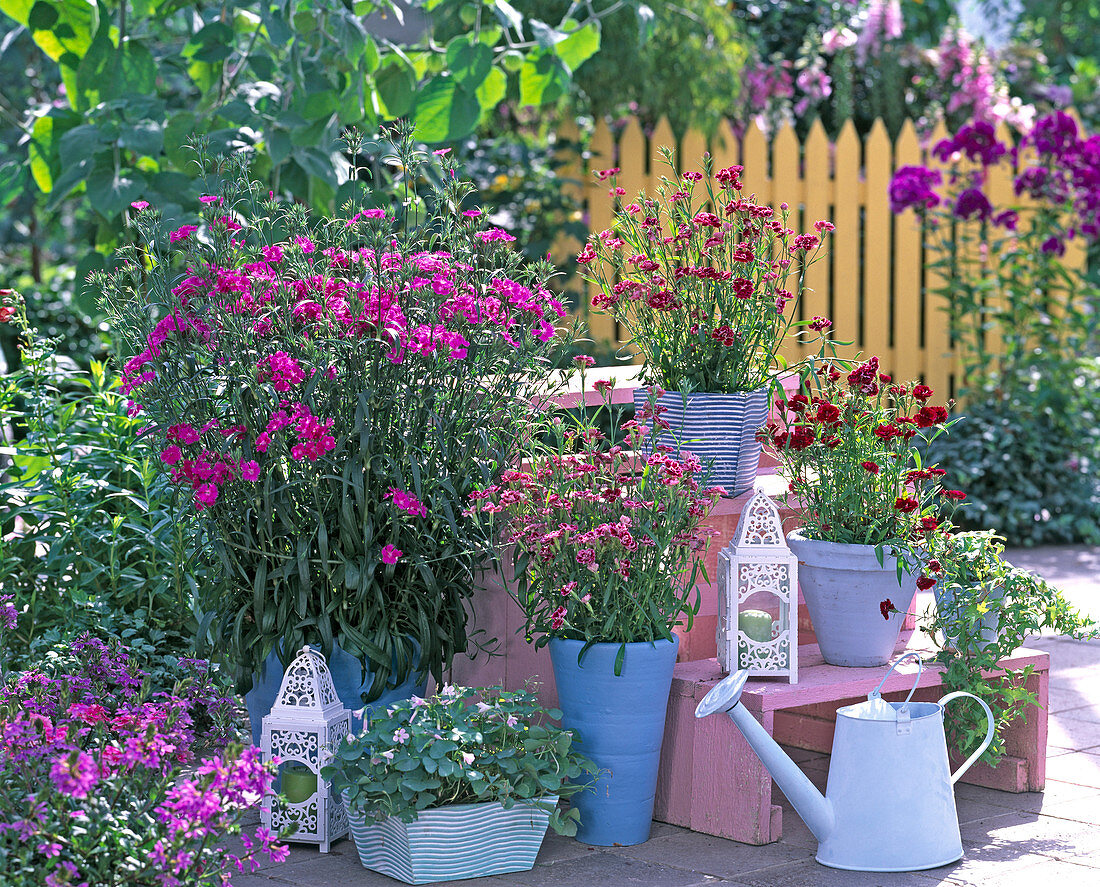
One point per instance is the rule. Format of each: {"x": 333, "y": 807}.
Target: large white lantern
{"x": 758, "y": 596}
{"x": 304, "y": 727}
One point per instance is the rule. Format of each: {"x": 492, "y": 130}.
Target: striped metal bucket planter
{"x": 720, "y": 429}
{"x": 458, "y": 841}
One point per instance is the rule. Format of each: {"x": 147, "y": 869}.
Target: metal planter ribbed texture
{"x": 720, "y": 429}
{"x": 458, "y": 841}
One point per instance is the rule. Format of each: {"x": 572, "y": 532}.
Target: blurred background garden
{"x": 103, "y": 102}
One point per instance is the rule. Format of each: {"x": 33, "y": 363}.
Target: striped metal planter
{"x": 449, "y": 843}
{"x": 720, "y": 429}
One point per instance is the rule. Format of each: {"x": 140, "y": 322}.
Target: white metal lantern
{"x": 758, "y": 596}
{"x": 304, "y": 726}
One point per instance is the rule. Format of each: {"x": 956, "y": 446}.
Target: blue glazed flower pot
{"x": 621, "y": 724}
{"x": 720, "y": 429}
{"x": 347, "y": 677}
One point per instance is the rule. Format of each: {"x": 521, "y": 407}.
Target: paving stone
{"x": 1066, "y": 732}
{"x": 1081, "y": 713}
{"x": 709, "y": 855}
{"x": 1065, "y": 874}
{"x": 974, "y": 810}
{"x": 1081, "y": 768}
{"x": 1085, "y": 810}
{"x": 327, "y": 870}
{"x": 1062, "y": 699}
{"x": 809, "y": 873}
{"x": 1026, "y": 802}
{"x": 607, "y": 868}
{"x": 1013, "y": 836}
{"x": 556, "y": 848}
{"x": 796, "y": 832}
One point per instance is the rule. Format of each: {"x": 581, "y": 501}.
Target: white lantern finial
{"x": 304, "y": 726}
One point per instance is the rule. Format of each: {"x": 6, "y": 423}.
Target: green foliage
{"x": 90, "y": 538}
{"x": 985, "y": 609}
{"x": 63, "y": 312}
{"x": 1029, "y": 457}
{"x": 464, "y": 746}
{"x": 275, "y": 81}
{"x": 685, "y": 67}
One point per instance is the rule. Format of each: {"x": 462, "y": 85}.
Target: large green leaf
{"x": 110, "y": 192}
{"x": 176, "y": 132}
{"x": 492, "y": 92}
{"x": 43, "y": 148}
{"x": 445, "y": 111}
{"x": 79, "y": 143}
{"x": 11, "y": 181}
{"x": 395, "y": 87}
{"x": 469, "y": 63}
{"x": 577, "y": 48}
{"x": 63, "y": 29}
{"x": 146, "y": 138}
{"x": 543, "y": 78}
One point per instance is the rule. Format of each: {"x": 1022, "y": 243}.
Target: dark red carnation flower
{"x": 906, "y": 505}
{"x": 925, "y": 582}
{"x": 935, "y": 566}
{"x": 887, "y": 607}
{"x": 958, "y": 495}
{"x": 929, "y": 524}
{"x": 828, "y": 413}
{"x": 886, "y": 432}
{"x": 801, "y": 438}
{"x": 870, "y": 467}
{"x": 922, "y": 392}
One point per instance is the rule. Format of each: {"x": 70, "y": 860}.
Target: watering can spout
{"x": 816, "y": 810}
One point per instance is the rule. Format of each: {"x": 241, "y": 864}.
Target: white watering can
{"x": 889, "y": 805}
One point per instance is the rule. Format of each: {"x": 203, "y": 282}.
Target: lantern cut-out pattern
{"x": 758, "y": 596}
{"x": 306, "y": 723}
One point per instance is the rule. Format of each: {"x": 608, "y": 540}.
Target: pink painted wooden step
{"x": 712, "y": 781}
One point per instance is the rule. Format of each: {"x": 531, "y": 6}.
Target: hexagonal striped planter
{"x": 458, "y": 841}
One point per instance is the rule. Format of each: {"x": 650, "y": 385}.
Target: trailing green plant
{"x": 984, "y": 610}
{"x": 90, "y": 538}
{"x": 326, "y": 392}
{"x": 462, "y": 746}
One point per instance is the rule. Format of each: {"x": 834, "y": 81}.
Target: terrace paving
{"x": 1050, "y": 837}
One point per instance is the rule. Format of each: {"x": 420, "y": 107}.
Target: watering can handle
{"x": 920, "y": 668}
{"x": 988, "y": 732}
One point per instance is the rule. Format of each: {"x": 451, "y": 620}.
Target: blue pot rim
{"x": 675, "y": 640}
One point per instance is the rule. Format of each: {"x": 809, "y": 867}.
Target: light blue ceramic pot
{"x": 720, "y": 429}
{"x": 620, "y": 720}
{"x": 844, "y": 586}
{"x": 347, "y": 677}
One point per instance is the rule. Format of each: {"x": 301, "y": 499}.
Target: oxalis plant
{"x": 462, "y": 746}
{"x": 985, "y": 609}
{"x": 326, "y": 392}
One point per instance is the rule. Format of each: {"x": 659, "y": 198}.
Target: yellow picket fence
{"x": 874, "y": 282}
